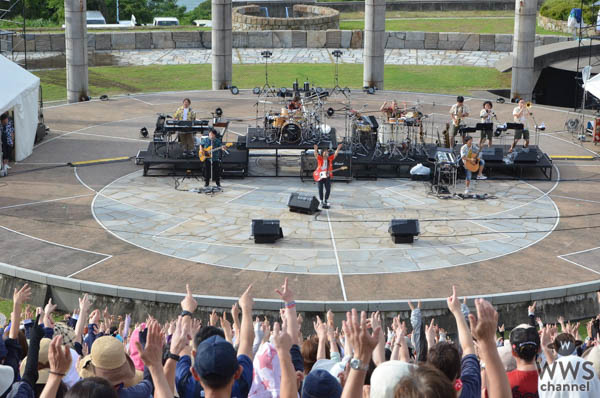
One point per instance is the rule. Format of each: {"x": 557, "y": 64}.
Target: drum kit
{"x": 302, "y": 126}
{"x": 398, "y": 137}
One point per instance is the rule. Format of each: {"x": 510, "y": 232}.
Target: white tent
{"x": 592, "y": 86}
{"x": 19, "y": 91}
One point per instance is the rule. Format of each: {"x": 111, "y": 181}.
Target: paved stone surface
{"x": 352, "y": 236}
{"x": 294, "y": 55}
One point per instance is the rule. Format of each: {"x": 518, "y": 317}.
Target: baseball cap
{"x": 333, "y": 367}
{"x": 6, "y": 378}
{"x": 386, "y": 377}
{"x": 523, "y": 335}
{"x": 215, "y": 357}
{"x": 321, "y": 384}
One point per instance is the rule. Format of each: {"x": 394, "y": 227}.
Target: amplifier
{"x": 266, "y": 231}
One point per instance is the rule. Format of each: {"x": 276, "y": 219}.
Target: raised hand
{"x": 286, "y": 294}
{"x": 50, "y": 307}
{"x": 330, "y": 318}
{"x": 375, "y": 321}
{"x": 454, "y": 303}
{"x": 363, "y": 342}
{"x": 501, "y": 328}
{"x": 180, "y": 338}
{"x": 235, "y": 311}
{"x": 213, "y": 319}
{"x": 151, "y": 355}
{"x": 531, "y": 308}
{"x": 59, "y": 356}
{"x": 320, "y": 329}
{"x": 431, "y": 332}
{"x": 95, "y": 317}
{"x": 21, "y": 296}
{"x": 246, "y": 301}
{"x": 483, "y": 328}
{"x": 281, "y": 340}
{"x": 189, "y": 303}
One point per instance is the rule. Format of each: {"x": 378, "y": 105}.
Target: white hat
{"x": 7, "y": 375}
{"x": 386, "y": 377}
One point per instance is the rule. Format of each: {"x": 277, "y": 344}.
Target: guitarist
{"x": 325, "y": 164}
{"x": 470, "y": 153}
{"x": 214, "y": 160}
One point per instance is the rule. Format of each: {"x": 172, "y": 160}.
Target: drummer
{"x": 390, "y": 109}
{"x": 295, "y": 103}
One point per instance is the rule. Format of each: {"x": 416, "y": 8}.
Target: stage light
{"x": 256, "y": 90}
{"x": 500, "y": 100}
{"x": 104, "y": 97}
{"x": 234, "y": 90}
{"x": 369, "y": 90}
{"x": 266, "y": 54}
{"x": 283, "y": 90}
{"x": 144, "y": 132}
{"x": 219, "y": 112}
{"x": 337, "y": 53}
{"x": 330, "y": 112}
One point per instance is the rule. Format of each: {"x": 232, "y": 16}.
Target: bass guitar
{"x": 208, "y": 151}
{"x": 319, "y": 174}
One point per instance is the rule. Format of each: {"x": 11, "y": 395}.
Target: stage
{"x": 106, "y": 229}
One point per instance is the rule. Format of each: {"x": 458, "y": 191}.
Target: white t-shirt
{"x": 185, "y": 113}
{"x": 485, "y": 116}
{"x": 464, "y": 150}
{"x": 455, "y": 108}
{"x": 522, "y": 118}
{"x": 324, "y": 166}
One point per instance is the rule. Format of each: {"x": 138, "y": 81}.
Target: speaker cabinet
{"x": 303, "y": 203}
{"x": 266, "y": 231}
{"x": 404, "y": 231}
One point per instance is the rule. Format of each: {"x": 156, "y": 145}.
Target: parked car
{"x": 207, "y": 23}
{"x": 165, "y": 21}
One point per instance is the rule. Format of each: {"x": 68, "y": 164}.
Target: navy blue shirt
{"x": 470, "y": 375}
{"x": 188, "y": 387}
{"x": 216, "y": 143}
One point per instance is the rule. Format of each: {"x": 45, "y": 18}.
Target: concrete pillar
{"x": 221, "y": 44}
{"x": 374, "y": 51}
{"x": 76, "y": 49}
{"x": 523, "y": 79}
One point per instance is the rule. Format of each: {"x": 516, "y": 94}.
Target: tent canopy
{"x": 20, "y": 93}
{"x": 592, "y": 86}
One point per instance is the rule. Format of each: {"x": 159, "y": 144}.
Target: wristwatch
{"x": 184, "y": 313}
{"x": 174, "y": 357}
{"x": 357, "y": 364}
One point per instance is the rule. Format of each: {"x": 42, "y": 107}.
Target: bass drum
{"x": 291, "y": 133}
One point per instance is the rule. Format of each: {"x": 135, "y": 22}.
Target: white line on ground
{"x": 172, "y": 227}
{"x": 581, "y": 200}
{"x": 580, "y": 251}
{"x": 137, "y": 99}
{"x": 579, "y": 265}
{"x": 337, "y": 259}
{"x": 89, "y": 266}
{"x": 81, "y": 181}
{"x": 570, "y": 142}
{"x": 391, "y": 189}
{"x": 109, "y": 136}
{"x": 46, "y": 201}
{"x": 241, "y": 195}
{"x": 490, "y": 228}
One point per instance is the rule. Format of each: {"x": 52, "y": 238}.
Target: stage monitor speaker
{"x": 526, "y": 157}
{"x": 266, "y": 231}
{"x": 303, "y": 203}
{"x": 404, "y": 231}
{"x": 492, "y": 154}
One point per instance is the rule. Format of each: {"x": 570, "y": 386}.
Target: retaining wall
{"x": 574, "y": 302}
{"x": 553, "y": 24}
{"x": 281, "y": 39}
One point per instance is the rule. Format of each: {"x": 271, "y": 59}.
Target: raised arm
{"x": 247, "y": 329}
{"x": 321, "y": 330}
{"x": 287, "y": 295}
{"x": 379, "y": 351}
{"x": 484, "y": 330}
{"x": 283, "y": 344}
{"x": 316, "y": 152}
{"x": 20, "y": 297}
{"x": 84, "y": 308}
{"x": 464, "y": 334}
{"x": 337, "y": 150}
{"x": 151, "y": 355}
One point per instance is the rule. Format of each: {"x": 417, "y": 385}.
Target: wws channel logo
{"x": 566, "y": 376}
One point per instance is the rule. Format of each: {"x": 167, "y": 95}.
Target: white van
{"x": 165, "y": 21}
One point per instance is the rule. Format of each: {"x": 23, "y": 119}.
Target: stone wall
{"x": 553, "y": 24}
{"x": 281, "y": 39}
{"x": 305, "y": 17}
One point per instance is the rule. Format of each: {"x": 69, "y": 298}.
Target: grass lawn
{"x": 479, "y": 25}
{"x": 112, "y": 80}
{"x": 7, "y": 305}
{"x": 432, "y": 14}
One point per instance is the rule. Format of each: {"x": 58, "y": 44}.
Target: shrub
{"x": 560, "y": 9}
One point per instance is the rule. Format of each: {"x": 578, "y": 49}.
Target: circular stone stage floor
{"x": 350, "y": 238}
{"x": 107, "y": 229}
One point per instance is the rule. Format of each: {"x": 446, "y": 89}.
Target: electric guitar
{"x": 472, "y": 162}
{"x": 208, "y": 151}
{"x": 319, "y": 174}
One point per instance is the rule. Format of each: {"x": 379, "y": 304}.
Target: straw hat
{"x": 43, "y": 364}
{"x": 109, "y": 360}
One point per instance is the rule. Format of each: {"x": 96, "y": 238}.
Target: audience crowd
{"x": 93, "y": 353}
